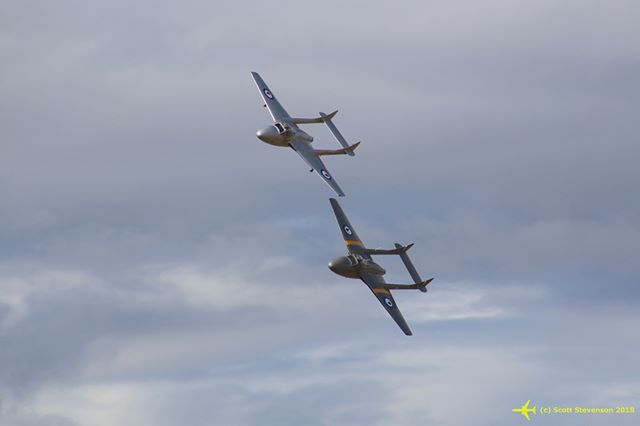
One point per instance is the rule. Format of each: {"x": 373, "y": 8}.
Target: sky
{"x": 159, "y": 265}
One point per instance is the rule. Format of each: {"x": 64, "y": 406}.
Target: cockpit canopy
{"x": 281, "y": 128}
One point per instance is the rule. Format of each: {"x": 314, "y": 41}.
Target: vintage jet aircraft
{"x": 285, "y": 132}
{"x": 359, "y": 264}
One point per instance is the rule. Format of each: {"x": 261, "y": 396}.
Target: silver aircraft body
{"x": 359, "y": 264}
{"x": 285, "y": 132}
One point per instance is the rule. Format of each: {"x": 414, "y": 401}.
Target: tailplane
{"x": 335, "y": 132}
{"x": 422, "y": 285}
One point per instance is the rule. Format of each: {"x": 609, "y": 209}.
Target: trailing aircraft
{"x": 359, "y": 264}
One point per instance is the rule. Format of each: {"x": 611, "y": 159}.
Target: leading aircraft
{"x": 359, "y": 264}
{"x": 285, "y": 132}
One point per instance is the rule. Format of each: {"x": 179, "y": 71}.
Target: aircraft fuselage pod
{"x": 353, "y": 266}
{"x": 280, "y": 134}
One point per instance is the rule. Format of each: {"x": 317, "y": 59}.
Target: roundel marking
{"x": 268, "y": 93}
{"x": 326, "y": 174}
{"x": 348, "y": 230}
{"x": 388, "y": 302}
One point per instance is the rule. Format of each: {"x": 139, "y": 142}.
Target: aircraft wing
{"x": 278, "y": 113}
{"x": 376, "y": 284}
{"x": 353, "y": 242}
{"x": 307, "y": 153}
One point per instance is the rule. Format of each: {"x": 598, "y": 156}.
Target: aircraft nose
{"x": 336, "y": 265}
{"x": 267, "y": 134}
{"x": 339, "y": 265}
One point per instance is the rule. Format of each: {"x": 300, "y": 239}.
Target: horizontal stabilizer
{"x": 348, "y": 150}
{"x": 334, "y": 131}
{"x": 422, "y": 285}
{"x": 321, "y": 119}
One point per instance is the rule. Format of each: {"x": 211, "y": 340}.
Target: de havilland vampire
{"x": 286, "y": 133}
{"x": 359, "y": 264}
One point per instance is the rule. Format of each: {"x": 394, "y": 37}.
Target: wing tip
{"x": 337, "y": 189}
{"x": 407, "y": 330}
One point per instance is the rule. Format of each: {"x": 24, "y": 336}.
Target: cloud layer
{"x": 161, "y": 266}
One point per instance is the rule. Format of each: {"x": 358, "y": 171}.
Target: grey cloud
{"x": 154, "y": 252}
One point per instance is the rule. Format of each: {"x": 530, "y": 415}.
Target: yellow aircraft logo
{"x": 525, "y": 410}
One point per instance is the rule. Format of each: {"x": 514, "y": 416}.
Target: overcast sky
{"x": 159, "y": 265}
